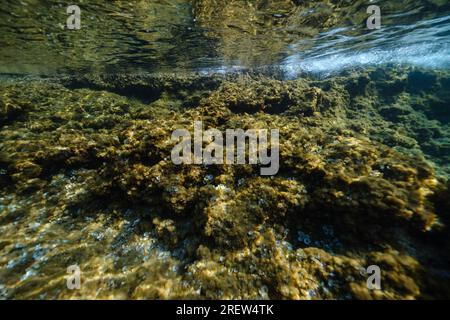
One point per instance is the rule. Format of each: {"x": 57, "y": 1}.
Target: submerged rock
{"x": 91, "y": 165}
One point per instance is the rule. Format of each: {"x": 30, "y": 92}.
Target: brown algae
{"x": 86, "y": 178}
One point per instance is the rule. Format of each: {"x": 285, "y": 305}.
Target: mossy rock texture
{"x": 87, "y": 179}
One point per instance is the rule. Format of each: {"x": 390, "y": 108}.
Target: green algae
{"x": 87, "y": 179}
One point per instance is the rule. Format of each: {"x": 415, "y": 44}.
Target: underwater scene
{"x": 225, "y": 149}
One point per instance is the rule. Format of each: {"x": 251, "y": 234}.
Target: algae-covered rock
{"x": 269, "y": 96}
{"x": 89, "y": 169}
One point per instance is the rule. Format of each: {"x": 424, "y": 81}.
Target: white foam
{"x": 423, "y": 55}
